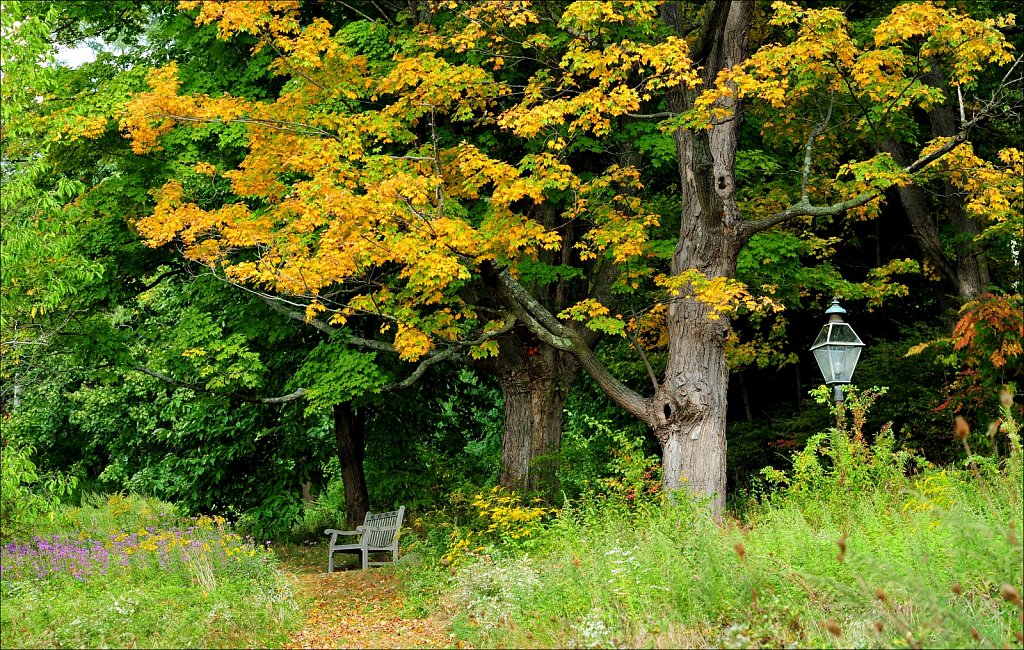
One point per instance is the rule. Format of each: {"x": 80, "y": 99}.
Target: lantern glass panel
{"x": 837, "y": 363}
{"x": 843, "y": 333}
{"x": 822, "y": 336}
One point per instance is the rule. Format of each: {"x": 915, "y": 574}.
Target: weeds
{"x": 861, "y": 545}
{"x": 124, "y": 570}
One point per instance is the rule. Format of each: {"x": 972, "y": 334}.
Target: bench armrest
{"x": 331, "y": 531}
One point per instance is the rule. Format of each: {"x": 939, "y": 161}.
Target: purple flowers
{"x": 149, "y": 548}
{"x": 47, "y": 556}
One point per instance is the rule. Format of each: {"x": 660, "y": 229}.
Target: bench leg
{"x": 330, "y": 561}
{"x": 366, "y": 558}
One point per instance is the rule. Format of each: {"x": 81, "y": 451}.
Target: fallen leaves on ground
{"x": 359, "y": 609}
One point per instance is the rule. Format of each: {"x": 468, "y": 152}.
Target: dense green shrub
{"x": 26, "y": 494}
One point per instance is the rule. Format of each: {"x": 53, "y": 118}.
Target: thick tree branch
{"x": 809, "y": 148}
{"x": 283, "y": 399}
{"x": 804, "y": 207}
{"x": 652, "y": 116}
{"x": 433, "y": 357}
{"x": 647, "y": 363}
{"x": 421, "y": 368}
{"x": 279, "y": 307}
{"x": 546, "y": 327}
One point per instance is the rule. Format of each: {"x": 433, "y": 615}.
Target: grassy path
{"x": 354, "y": 609}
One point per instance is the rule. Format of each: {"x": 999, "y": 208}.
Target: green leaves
{"x": 333, "y": 373}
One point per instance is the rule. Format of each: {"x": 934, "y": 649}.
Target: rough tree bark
{"x": 966, "y": 272}
{"x": 689, "y": 420}
{"x": 972, "y": 276}
{"x": 535, "y": 379}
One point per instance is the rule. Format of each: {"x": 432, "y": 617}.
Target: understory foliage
{"x": 840, "y": 461}
{"x": 985, "y": 350}
{"x": 26, "y": 494}
{"x": 859, "y": 545}
{"x": 127, "y": 571}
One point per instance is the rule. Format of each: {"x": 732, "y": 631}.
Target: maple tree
{"x": 364, "y": 192}
{"x": 79, "y": 291}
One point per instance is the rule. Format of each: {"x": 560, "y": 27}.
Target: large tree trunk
{"x": 690, "y": 407}
{"x": 350, "y": 434}
{"x": 691, "y": 421}
{"x": 535, "y": 380}
{"x": 967, "y": 271}
{"x": 972, "y": 276}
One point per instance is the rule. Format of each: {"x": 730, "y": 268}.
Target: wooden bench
{"x": 378, "y": 534}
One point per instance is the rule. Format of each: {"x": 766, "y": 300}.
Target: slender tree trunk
{"x": 966, "y": 270}
{"x": 350, "y": 434}
{"x": 535, "y": 380}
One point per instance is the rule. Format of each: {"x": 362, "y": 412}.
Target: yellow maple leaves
{"x": 970, "y": 44}
{"x": 351, "y": 174}
{"x": 723, "y": 296}
{"x": 824, "y": 64}
{"x": 273, "y": 17}
{"x": 994, "y": 192}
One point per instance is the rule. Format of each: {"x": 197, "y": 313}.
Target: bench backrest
{"x": 390, "y": 522}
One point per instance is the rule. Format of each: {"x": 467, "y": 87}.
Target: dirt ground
{"x": 353, "y": 608}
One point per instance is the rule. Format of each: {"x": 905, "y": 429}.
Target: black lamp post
{"x": 837, "y": 350}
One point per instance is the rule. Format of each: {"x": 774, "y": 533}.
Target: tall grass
{"x": 854, "y": 548}
{"x": 127, "y": 571}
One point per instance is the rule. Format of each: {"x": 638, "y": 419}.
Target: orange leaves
{"x": 588, "y": 84}
{"x": 173, "y": 218}
{"x": 358, "y": 609}
{"x": 273, "y": 22}
{"x": 153, "y": 114}
{"x": 163, "y": 225}
{"x": 991, "y": 328}
{"x": 411, "y": 343}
